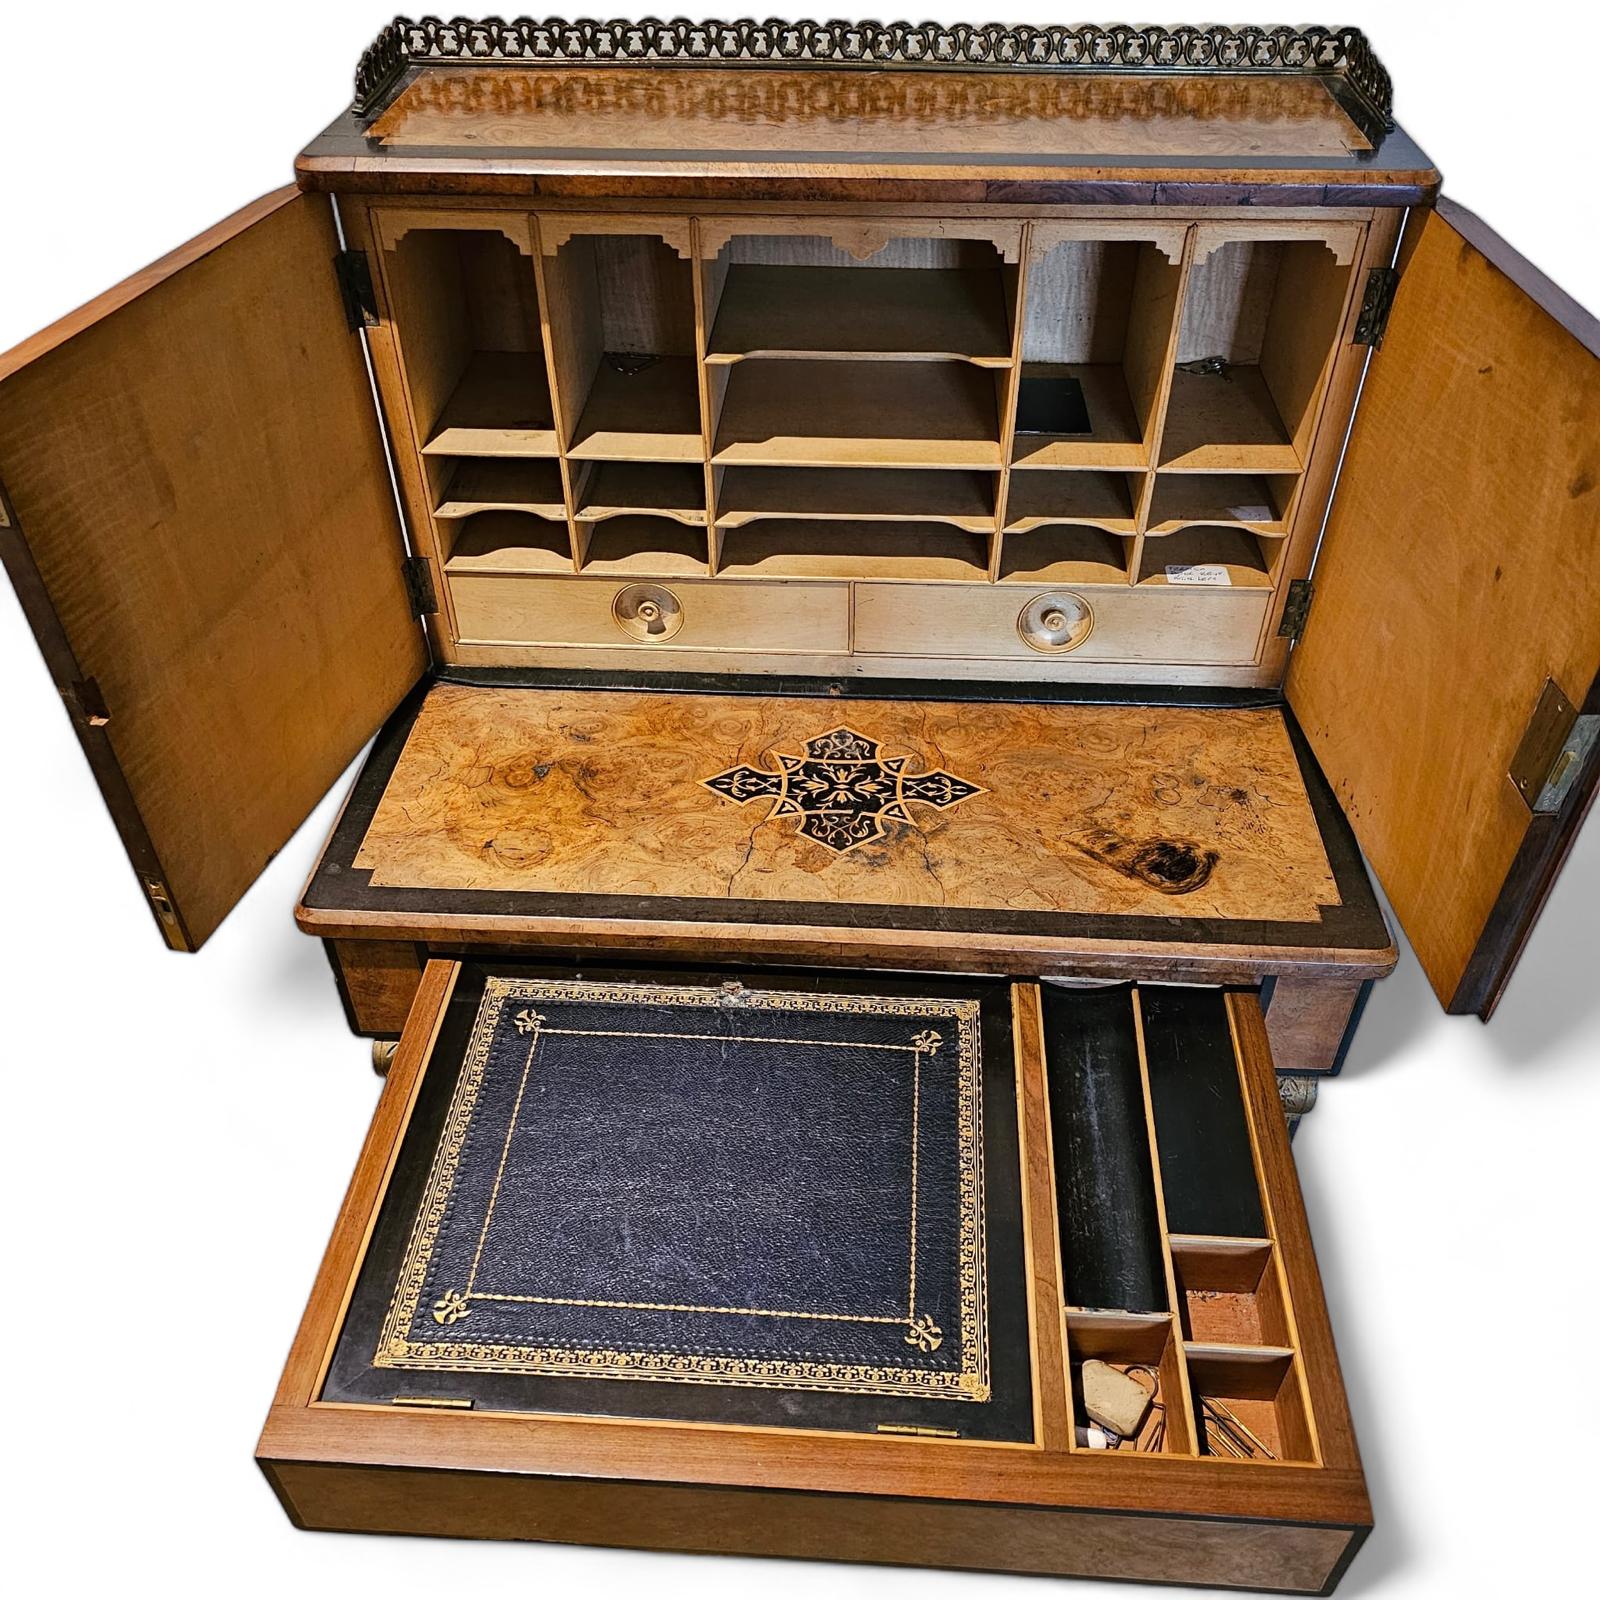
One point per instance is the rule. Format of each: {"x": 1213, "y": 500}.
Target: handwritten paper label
{"x": 1214, "y": 577}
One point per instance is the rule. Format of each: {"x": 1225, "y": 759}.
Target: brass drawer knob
{"x": 647, "y": 612}
{"x": 1055, "y": 622}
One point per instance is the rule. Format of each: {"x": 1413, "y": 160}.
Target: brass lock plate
{"x": 647, "y": 612}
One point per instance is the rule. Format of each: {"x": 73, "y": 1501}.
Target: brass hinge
{"x": 1377, "y": 300}
{"x": 912, "y": 1431}
{"x": 86, "y": 703}
{"x": 1552, "y": 750}
{"x": 1295, "y": 609}
{"x": 166, "y": 914}
{"x": 433, "y": 1402}
{"x": 419, "y": 585}
{"x": 355, "y": 289}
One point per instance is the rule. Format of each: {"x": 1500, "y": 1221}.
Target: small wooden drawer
{"x": 1092, "y": 1163}
{"x": 777, "y": 618}
{"x": 1213, "y": 627}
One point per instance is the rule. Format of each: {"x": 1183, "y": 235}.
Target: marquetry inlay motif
{"x": 844, "y": 790}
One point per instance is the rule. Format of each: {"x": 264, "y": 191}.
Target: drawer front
{"x": 1210, "y": 627}
{"x": 1132, "y": 1147}
{"x": 774, "y": 618}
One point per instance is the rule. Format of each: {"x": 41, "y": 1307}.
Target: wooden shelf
{"x": 859, "y": 413}
{"x": 1228, "y": 499}
{"x": 1225, "y": 424}
{"x": 919, "y": 551}
{"x": 500, "y": 407}
{"x": 1115, "y": 438}
{"x": 510, "y": 541}
{"x": 502, "y": 483}
{"x": 650, "y": 415}
{"x": 964, "y": 499}
{"x": 663, "y": 488}
{"x": 1076, "y": 556}
{"x": 1244, "y": 559}
{"x": 1107, "y": 499}
{"x": 643, "y": 547}
{"x": 850, "y": 313}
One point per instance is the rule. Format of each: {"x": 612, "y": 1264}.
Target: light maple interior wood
{"x": 853, "y": 397}
{"x": 1467, "y": 506}
{"x": 623, "y": 333}
{"x": 920, "y": 551}
{"x": 964, "y": 499}
{"x": 507, "y": 541}
{"x": 640, "y": 545}
{"x": 892, "y": 413}
{"x": 848, "y": 313}
{"x": 1269, "y": 309}
{"x": 1099, "y": 311}
{"x": 1243, "y": 560}
{"x": 500, "y": 483}
{"x": 1075, "y": 556}
{"x": 198, "y": 477}
{"x": 467, "y": 309}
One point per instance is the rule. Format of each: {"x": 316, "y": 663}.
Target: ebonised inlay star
{"x": 844, "y": 789}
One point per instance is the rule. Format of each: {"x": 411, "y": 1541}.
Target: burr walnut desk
{"x": 949, "y": 543}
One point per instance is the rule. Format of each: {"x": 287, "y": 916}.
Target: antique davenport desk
{"x": 888, "y": 634}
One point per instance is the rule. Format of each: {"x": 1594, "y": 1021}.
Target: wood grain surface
{"x": 1461, "y": 570}
{"x": 670, "y": 1485}
{"x": 198, "y": 478}
{"x": 1119, "y": 810}
{"x": 959, "y": 113}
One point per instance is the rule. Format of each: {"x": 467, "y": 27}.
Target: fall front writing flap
{"x": 1453, "y": 645}
{"x": 200, "y": 525}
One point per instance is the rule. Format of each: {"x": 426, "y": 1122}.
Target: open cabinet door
{"x": 198, "y": 519}
{"x": 1449, "y": 676}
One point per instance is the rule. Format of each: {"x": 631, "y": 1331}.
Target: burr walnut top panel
{"x": 1101, "y": 810}
{"x": 675, "y": 111}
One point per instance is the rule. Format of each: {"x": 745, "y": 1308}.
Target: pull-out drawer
{"x": 1159, "y": 624}
{"x": 779, "y": 618}
{"x": 832, "y": 1267}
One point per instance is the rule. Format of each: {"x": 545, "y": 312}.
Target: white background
{"x": 180, "y": 1129}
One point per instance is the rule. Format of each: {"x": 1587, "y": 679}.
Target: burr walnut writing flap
{"x": 937, "y": 823}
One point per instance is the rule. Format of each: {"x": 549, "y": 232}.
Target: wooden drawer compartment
{"x": 1034, "y": 1133}
{"x": 1210, "y": 627}
{"x": 809, "y": 618}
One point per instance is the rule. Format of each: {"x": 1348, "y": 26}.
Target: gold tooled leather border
{"x": 970, "y": 1380}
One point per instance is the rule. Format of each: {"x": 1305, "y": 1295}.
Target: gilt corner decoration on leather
{"x": 843, "y": 789}
{"x": 701, "y": 1196}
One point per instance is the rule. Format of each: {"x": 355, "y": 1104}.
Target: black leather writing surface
{"x": 793, "y": 1202}
{"x": 1208, "y": 1175}
{"x": 1106, "y": 1197}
